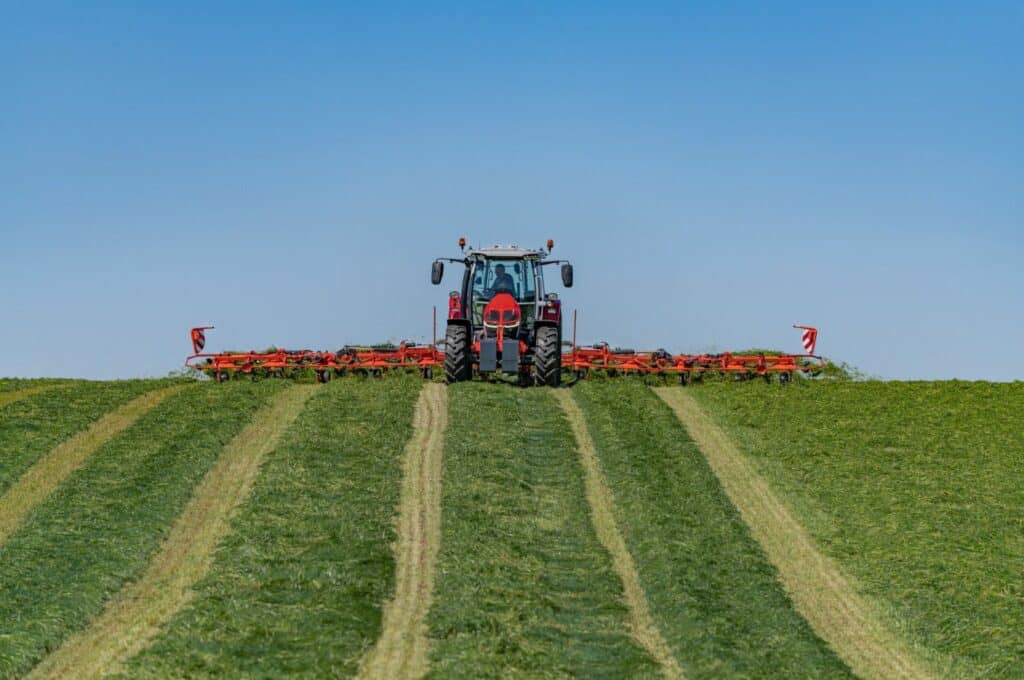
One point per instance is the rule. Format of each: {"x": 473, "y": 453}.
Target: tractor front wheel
{"x": 547, "y": 357}
{"x": 457, "y": 360}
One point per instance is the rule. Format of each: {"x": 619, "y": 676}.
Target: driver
{"x": 502, "y": 280}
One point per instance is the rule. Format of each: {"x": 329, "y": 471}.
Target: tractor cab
{"x": 501, "y": 314}
{"x": 488, "y": 277}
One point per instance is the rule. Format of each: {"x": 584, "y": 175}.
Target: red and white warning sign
{"x": 809, "y": 338}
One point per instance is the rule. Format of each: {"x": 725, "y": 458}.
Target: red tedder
{"x": 694, "y": 366}
{"x": 278, "y": 363}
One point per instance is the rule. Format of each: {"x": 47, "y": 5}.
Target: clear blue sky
{"x": 716, "y": 172}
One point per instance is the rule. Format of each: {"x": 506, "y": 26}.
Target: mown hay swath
{"x": 46, "y": 475}
{"x": 602, "y": 512}
{"x": 133, "y": 618}
{"x": 819, "y": 590}
{"x": 18, "y": 395}
{"x": 401, "y": 651}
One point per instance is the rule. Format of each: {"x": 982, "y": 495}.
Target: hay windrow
{"x": 602, "y": 504}
{"x": 817, "y": 587}
{"x": 18, "y": 395}
{"x": 402, "y": 649}
{"x": 133, "y": 618}
{"x": 41, "y": 479}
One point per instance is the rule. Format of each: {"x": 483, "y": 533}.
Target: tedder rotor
{"x": 502, "y": 321}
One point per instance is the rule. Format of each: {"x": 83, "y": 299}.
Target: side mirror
{"x": 567, "y": 275}
{"x": 436, "y": 272}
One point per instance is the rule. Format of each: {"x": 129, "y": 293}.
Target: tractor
{"x": 502, "y": 321}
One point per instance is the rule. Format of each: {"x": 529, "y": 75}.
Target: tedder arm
{"x": 693, "y": 366}
{"x": 581, "y": 359}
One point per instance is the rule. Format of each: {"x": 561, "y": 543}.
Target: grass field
{"x": 713, "y": 595}
{"x": 524, "y": 587}
{"x": 32, "y": 426}
{"x": 917, "y": 489}
{"x": 297, "y": 587}
{"x": 14, "y": 384}
{"x": 97, "y": 530}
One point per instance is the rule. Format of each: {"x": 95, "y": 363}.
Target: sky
{"x": 716, "y": 172}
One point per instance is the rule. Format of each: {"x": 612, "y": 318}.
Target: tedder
{"x": 502, "y": 321}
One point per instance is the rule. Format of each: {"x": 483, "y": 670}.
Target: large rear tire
{"x": 458, "y": 365}
{"x": 547, "y": 357}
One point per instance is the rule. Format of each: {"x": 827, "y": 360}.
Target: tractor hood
{"x": 502, "y": 312}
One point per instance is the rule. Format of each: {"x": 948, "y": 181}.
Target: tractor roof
{"x": 507, "y": 252}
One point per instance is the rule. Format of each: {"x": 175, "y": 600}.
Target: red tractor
{"x": 502, "y": 321}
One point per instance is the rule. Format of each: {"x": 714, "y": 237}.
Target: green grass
{"x": 916, "y": 488}
{"x": 297, "y": 587}
{"x": 32, "y": 426}
{"x": 524, "y": 587}
{"x": 712, "y": 592}
{"x": 98, "y": 529}
{"x": 14, "y": 384}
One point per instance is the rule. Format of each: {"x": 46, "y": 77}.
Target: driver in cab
{"x": 502, "y": 280}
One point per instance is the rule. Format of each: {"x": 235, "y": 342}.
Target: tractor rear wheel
{"x": 457, "y": 364}
{"x": 547, "y": 357}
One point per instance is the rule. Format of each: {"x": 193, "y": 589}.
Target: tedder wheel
{"x": 547, "y": 357}
{"x": 457, "y": 363}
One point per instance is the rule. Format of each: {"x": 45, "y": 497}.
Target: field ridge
{"x": 133, "y": 618}
{"x": 402, "y": 649}
{"x": 46, "y": 474}
{"x": 819, "y": 590}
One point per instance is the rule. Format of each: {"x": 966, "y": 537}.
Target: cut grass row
{"x": 97, "y": 531}
{"x": 524, "y": 586}
{"x": 712, "y": 593}
{"x": 50, "y": 471}
{"x": 298, "y": 585}
{"x": 16, "y": 384}
{"x": 916, "y": 489}
{"x": 134, "y": 616}
{"x": 31, "y": 427}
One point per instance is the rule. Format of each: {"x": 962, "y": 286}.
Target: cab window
{"x": 514, "y": 277}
